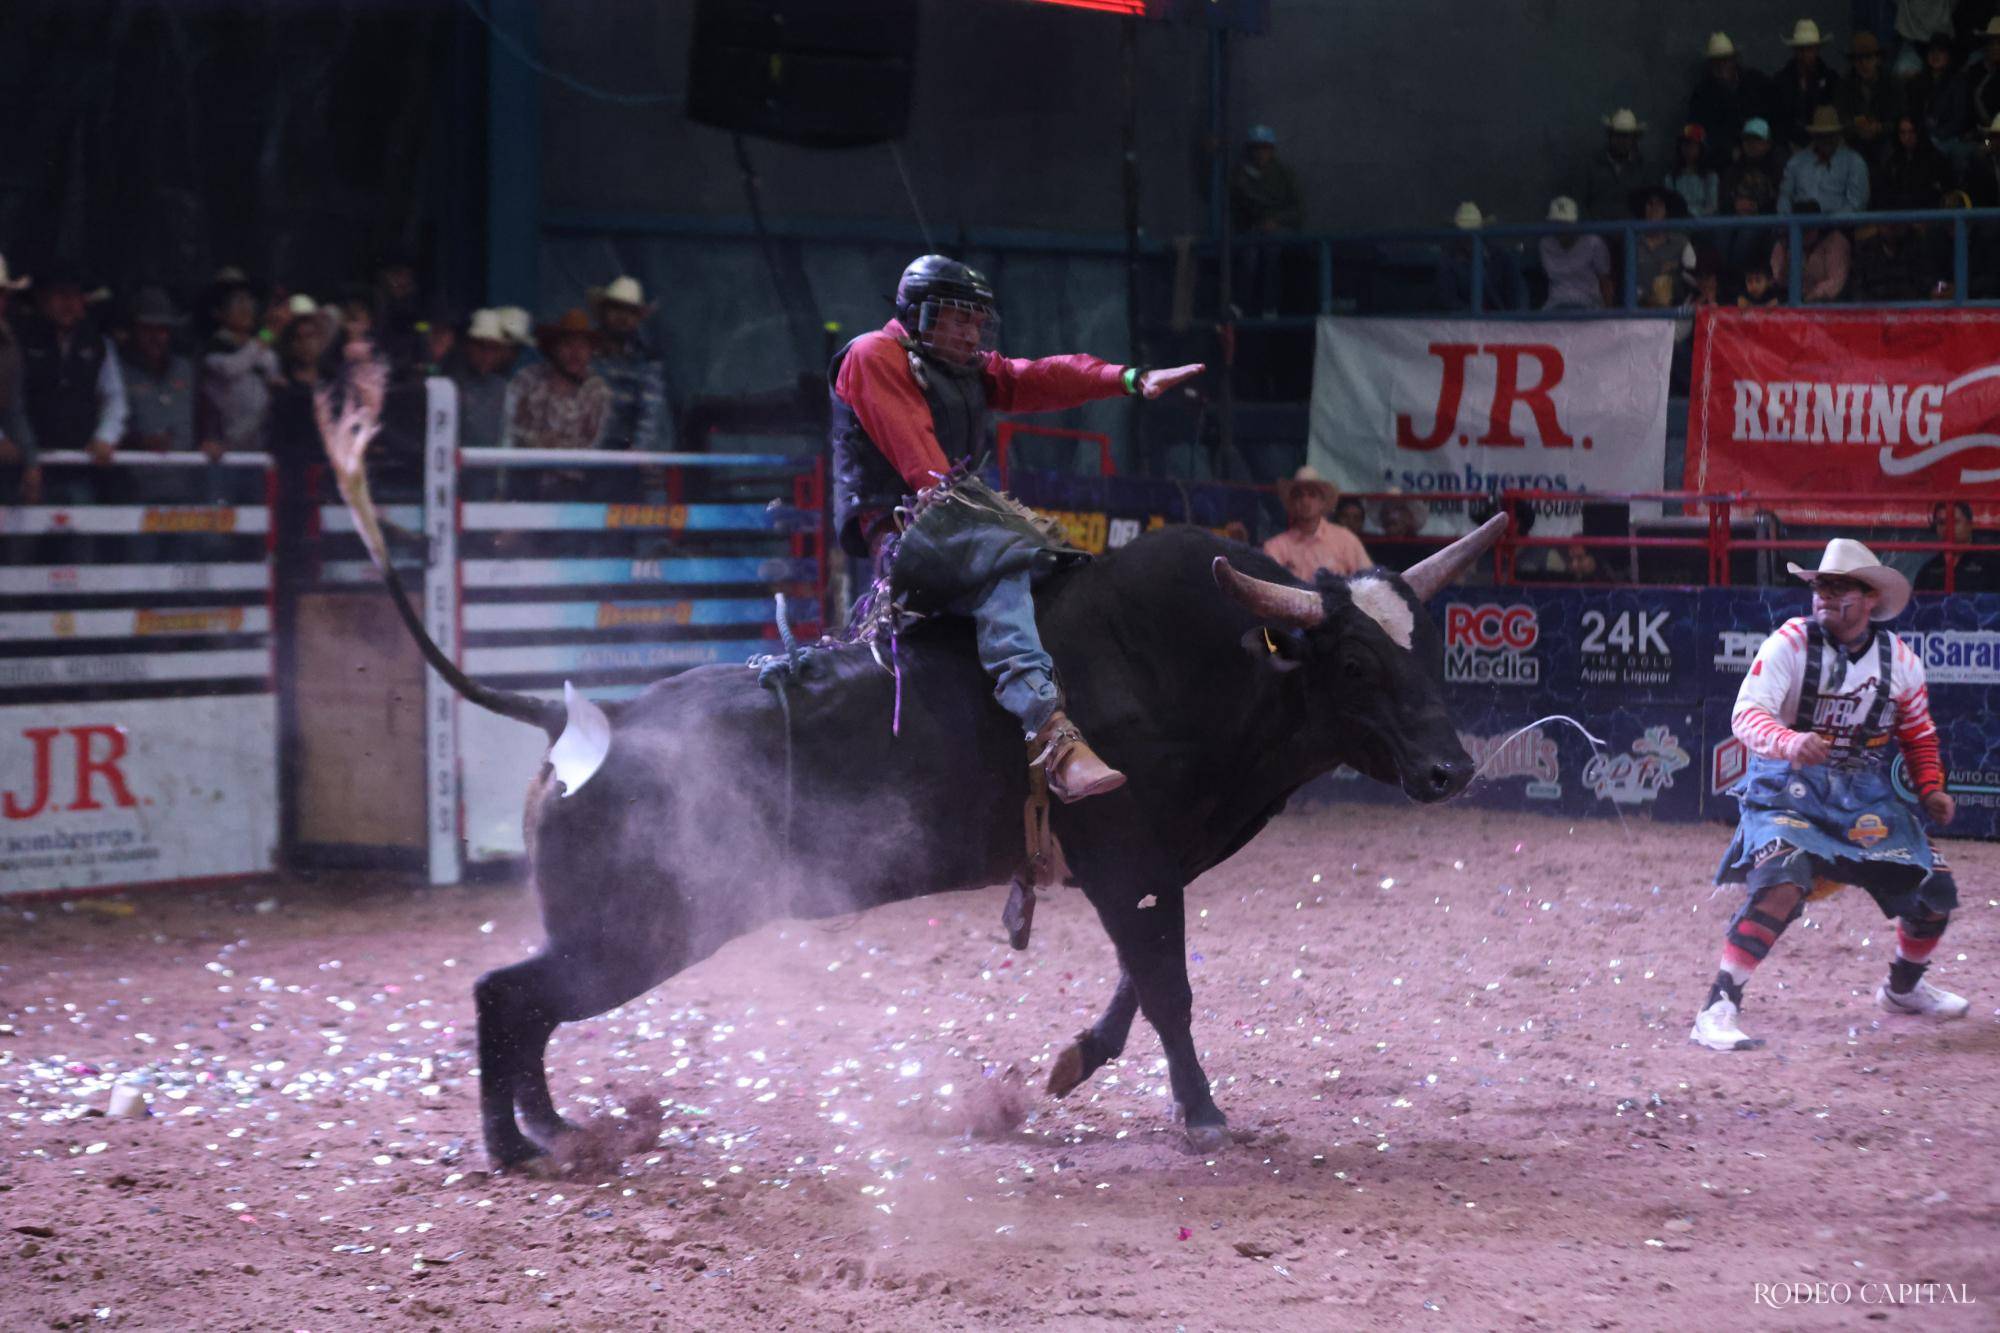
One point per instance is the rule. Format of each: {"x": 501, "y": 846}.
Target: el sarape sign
{"x": 1889, "y": 405}
{"x": 137, "y": 791}
{"x": 1428, "y": 405}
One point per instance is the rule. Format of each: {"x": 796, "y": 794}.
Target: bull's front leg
{"x": 1098, "y": 1044}
{"x": 1152, "y": 949}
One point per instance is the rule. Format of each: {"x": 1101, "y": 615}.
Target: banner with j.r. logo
{"x": 1429, "y": 405}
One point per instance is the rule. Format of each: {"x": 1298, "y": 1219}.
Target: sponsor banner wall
{"x": 1425, "y": 405}
{"x": 1103, "y": 513}
{"x": 1636, "y": 642}
{"x": 136, "y": 791}
{"x": 1888, "y": 404}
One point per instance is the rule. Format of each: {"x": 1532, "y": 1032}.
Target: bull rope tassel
{"x": 785, "y": 706}
{"x": 896, "y": 657}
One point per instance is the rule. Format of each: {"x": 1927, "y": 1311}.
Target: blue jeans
{"x": 1010, "y": 648}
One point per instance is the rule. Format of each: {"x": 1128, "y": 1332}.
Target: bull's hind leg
{"x": 519, "y": 1007}
{"x": 1098, "y": 1044}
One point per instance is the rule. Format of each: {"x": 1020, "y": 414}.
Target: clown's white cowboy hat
{"x": 1307, "y": 477}
{"x": 620, "y": 290}
{"x": 1719, "y": 46}
{"x": 12, "y": 284}
{"x": 1851, "y": 560}
{"x": 1806, "y": 33}
{"x": 1624, "y": 121}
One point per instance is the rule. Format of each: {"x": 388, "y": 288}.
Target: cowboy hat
{"x": 1624, "y": 121}
{"x": 620, "y": 291}
{"x": 485, "y": 327}
{"x": 1307, "y": 477}
{"x": 1562, "y": 208}
{"x": 1864, "y": 43}
{"x": 1806, "y": 33}
{"x": 514, "y": 323}
{"x": 153, "y": 306}
{"x": 1991, "y": 30}
{"x": 300, "y": 306}
{"x": 1467, "y": 217}
{"x": 1849, "y": 559}
{"x": 571, "y": 323}
{"x": 8, "y": 284}
{"x": 1720, "y": 47}
{"x": 1825, "y": 120}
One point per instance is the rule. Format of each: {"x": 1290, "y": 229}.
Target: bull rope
{"x": 1597, "y": 745}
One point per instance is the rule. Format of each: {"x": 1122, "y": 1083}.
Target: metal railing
{"x": 1962, "y": 222}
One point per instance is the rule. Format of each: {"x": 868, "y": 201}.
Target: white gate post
{"x": 441, "y": 617}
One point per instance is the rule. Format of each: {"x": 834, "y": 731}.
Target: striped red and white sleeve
{"x": 1770, "y": 693}
{"x": 1915, "y": 731}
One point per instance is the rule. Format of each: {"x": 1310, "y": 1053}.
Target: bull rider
{"x": 1817, "y": 711}
{"x": 910, "y": 409}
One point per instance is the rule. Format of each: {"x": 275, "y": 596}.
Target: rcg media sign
{"x": 1491, "y": 643}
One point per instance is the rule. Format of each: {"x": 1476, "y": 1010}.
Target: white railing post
{"x": 441, "y": 785}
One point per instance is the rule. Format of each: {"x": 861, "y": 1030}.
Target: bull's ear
{"x": 1277, "y": 649}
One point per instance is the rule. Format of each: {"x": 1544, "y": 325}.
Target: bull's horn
{"x": 1299, "y": 608}
{"x": 1437, "y": 571}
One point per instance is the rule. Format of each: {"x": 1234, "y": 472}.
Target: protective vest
{"x": 863, "y": 480}
{"x": 1860, "y": 740}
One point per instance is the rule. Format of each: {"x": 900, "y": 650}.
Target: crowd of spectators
{"x": 1909, "y": 125}
{"x": 83, "y": 370}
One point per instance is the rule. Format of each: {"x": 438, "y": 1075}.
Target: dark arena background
{"x": 1683, "y": 292}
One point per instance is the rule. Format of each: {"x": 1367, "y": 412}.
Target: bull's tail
{"x": 347, "y": 437}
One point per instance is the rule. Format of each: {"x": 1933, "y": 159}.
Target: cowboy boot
{"x": 1073, "y": 768}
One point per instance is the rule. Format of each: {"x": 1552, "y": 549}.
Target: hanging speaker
{"x": 823, "y": 73}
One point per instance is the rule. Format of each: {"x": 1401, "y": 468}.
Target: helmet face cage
{"x": 957, "y": 330}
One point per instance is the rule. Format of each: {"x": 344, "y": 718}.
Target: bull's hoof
{"x": 1068, "y": 1070}
{"x": 1204, "y": 1139}
{"x": 548, "y": 1133}
{"x": 517, "y": 1156}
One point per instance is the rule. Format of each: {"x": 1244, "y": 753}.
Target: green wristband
{"x": 1131, "y": 380}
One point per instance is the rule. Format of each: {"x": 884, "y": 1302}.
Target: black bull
{"x": 712, "y": 813}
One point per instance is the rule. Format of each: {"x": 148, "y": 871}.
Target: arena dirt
{"x": 1452, "y": 1044}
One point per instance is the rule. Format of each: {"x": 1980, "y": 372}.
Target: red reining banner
{"x": 1877, "y": 405}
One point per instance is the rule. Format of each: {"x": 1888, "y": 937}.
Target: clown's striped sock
{"x": 1916, "y": 937}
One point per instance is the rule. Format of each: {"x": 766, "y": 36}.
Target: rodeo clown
{"x": 1822, "y": 699}
{"x": 910, "y": 408}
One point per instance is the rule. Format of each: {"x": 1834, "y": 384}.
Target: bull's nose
{"x": 1445, "y": 779}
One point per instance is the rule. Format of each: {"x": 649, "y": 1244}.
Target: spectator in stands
{"x": 1936, "y": 97}
{"x": 1618, "y": 170}
{"x": 1311, "y": 543}
{"x": 1982, "y": 190}
{"x": 1503, "y": 286}
{"x": 631, "y": 366}
{"x": 1577, "y": 563}
{"x": 237, "y": 371}
{"x": 1351, "y": 514}
{"x": 395, "y": 311}
{"x": 1660, "y": 256}
{"x": 20, "y": 474}
{"x": 1726, "y": 97}
{"x": 1890, "y": 264}
{"x": 1913, "y": 173}
{"x": 519, "y": 327}
{"x": 290, "y": 431}
{"x": 1691, "y": 179}
{"x": 1577, "y": 264}
{"x": 1978, "y": 571}
{"x": 74, "y": 394}
{"x": 1757, "y": 288}
{"x": 1868, "y": 100}
{"x": 1264, "y": 200}
{"x": 558, "y": 403}
{"x": 1982, "y": 80}
{"x": 1832, "y": 175}
{"x": 439, "y": 331}
{"x": 1745, "y": 247}
{"x": 1756, "y": 169}
{"x": 160, "y": 391}
{"x": 1917, "y": 22}
{"x": 482, "y": 377}
{"x": 1801, "y": 86}
{"x": 1829, "y": 258}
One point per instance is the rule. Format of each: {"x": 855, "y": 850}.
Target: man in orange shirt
{"x": 1312, "y": 543}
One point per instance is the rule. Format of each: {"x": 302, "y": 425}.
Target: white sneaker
{"x": 1923, "y": 998}
{"x": 1715, "y": 1027}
